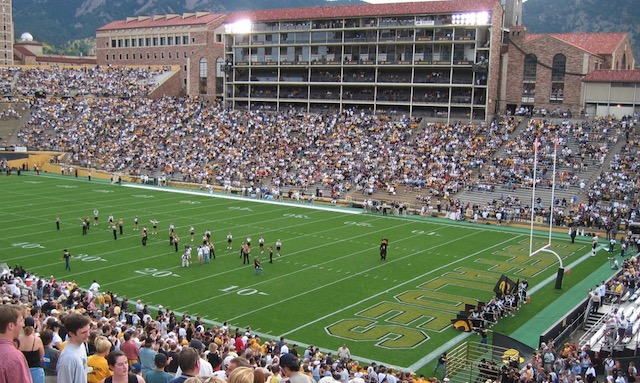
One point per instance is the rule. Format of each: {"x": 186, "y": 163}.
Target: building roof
{"x": 594, "y": 43}
{"x": 330, "y": 12}
{"x": 28, "y": 43}
{"x": 91, "y": 60}
{"x": 613, "y": 75}
{"x": 169, "y": 20}
{"x": 23, "y": 50}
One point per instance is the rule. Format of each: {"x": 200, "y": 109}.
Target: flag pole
{"x": 533, "y": 192}
{"x": 553, "y": 187}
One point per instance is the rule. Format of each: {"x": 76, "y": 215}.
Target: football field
{"x": 327, "y": 288}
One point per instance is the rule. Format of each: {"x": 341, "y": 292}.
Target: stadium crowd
{"x": 154, "y": 340}
{"x": 203, "y": 143}
{"x": 515, "y": 168}
{"x": 102, "y": 81}
{"x": 200, "y": 142}
{"x": 610, "y": 200}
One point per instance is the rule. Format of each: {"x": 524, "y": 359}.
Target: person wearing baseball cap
{"x": 290, "y": 365}
{"x": 159, "y": 375}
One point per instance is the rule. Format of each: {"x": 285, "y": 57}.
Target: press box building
{"x": 433, "y": 58}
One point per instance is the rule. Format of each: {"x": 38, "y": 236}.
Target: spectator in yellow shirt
{"x": 97, "y": 363}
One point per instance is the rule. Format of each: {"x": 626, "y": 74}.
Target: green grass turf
{"x": 329, "y": 286}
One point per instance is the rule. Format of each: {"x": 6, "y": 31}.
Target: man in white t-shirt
{"x": 72, "y": 363}
{"x": 95, "y": 286}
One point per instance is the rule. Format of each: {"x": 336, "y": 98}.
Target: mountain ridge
{"x": 60, "y": 26}
{"x": 576, "y": 16}
{"x": 50, "y": 23}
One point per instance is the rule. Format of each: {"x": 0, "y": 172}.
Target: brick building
{"x": 29, "y": 52}
{"x": 187, "y": 41}
{"x": 6, "y": 38}
{"x": 433, "y": 58}
{"x": 545, "y": 71}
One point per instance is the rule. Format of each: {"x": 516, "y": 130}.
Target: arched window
{"x": 530, "y": 67}
{"x": 202, "y": 88}
{"x": 558, "y": 72}
{"x": 624, "y": 61}
{"x": 529, "y": 78}
{"x": 559, "y": 67}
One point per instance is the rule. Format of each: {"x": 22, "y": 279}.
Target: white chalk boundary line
{"x": 345, "y": 210}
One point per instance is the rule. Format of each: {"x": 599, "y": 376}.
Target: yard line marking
{"x": 146, "y": 259}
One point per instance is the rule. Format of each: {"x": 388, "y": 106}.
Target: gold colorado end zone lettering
{"x": 386, "y": 336}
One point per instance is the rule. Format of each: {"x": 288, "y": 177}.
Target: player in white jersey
{"x": 229, "y": 241}
{"x": 186, "y": 256}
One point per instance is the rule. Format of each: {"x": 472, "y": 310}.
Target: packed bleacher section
{"x": 605, "y": 201}
{"x": 618, "y": 185}
{"x": 515, "y": 168}
{"x": 195, "y": 141}
{"x": 364, "y": 152}
{"x": 102, "y": 81}
{"x": 199, "y": 142}
{"x": 7, "y": 79}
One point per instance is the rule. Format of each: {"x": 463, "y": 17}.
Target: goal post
{"x": 546, "y": 247}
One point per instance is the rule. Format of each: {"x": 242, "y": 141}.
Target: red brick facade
{"x": 181, "y": 41}
{"x": 559, "y": 92}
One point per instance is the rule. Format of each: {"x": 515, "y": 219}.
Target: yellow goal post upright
{"x": 545, "y": 247}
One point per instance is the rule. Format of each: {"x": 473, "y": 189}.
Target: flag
{"x": 462, "y": 325}
{"x": 514, "y": 350}
{"x": 505, "y": 285}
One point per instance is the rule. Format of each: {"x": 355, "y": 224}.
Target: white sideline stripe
{"x": 237, "y": 198}
{"x": 455, "y": 341}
